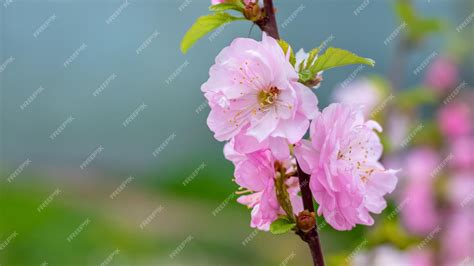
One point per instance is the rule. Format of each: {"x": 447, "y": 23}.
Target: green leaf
{"x": 204, "y": 25}
{"x": 236, "y": 5}
{"x": 311, "y": 56}
{"x": 285, "y": 46}
{"x": 335, "y": 57}
{"x": 405, "y": 12}
{"x": 281, "y": 226}
{"x": 417, "y": 26}
{"x": 416, "y": 97}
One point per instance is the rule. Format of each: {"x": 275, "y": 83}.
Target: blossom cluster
{"x": 259, "y": 107}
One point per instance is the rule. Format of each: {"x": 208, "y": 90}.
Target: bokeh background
{"x": 106, "y": 157}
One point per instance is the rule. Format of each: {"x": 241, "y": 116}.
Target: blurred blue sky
{"x": 159, "y": 84}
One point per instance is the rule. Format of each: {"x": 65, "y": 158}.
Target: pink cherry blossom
{"x": 253, "y": 90}
{"x": 419, "y": 214}
{"x": 420, "y": 163}
{"x": 362, "y": 92}
{"x": 256, "y": 173}
{"x": 455, "y": 119}
{"x": 462, "y": 151}
{"x": 442, "y": 74}
{"x": 461, "y": 189}
{"x": 342, "y": 157}
{"x": 457, "y": 238}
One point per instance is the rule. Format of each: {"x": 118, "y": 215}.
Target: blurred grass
{"x": 114, "y": 224}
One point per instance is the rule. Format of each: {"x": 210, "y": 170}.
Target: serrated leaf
{"x": 204, "y": 25}
{"x": 237, "y": 6}
{"x": 335, "y": 57}
{"x": 311, "y": 56}
{"x": 281, "y": 226}
{"x": 285, "y": 46}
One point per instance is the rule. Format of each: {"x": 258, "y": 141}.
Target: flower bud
{"x": 253, "y": 12}
{"x": 306, "y": 221}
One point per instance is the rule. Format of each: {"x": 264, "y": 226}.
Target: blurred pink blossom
{"x": 442, "y": 74}
{"x": 455, "y": 119}
{"x": 342, "y": 157}
{"x": 463, "y": 153}
{"x": 461, "y": 189}
{"x": 457, "y": 238}
{"x": 419, "y": 215}
{"x": 361, "y": 92}
{"x": 420, "y": 163}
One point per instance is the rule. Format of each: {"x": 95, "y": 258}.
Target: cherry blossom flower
{"x": 420, "y": 215}
{"x": 442, "y": 75}
{"x": 462, "y": 151}
{"x": 342, "y": 157}
{"x": 256, "y": 173}
{"x": 455, "y": 119}
{"x": 253, "y": 90}
{"x": 457, "y": 238}
{"x": 360, "y": 92}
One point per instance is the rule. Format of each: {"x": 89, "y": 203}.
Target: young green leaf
{"x": 311, "y": 56}
{"x": 281, "y": 226}
{"x": 204, "y": 25}
{"x": 417, "y": 26}
{"x": 237, "y": 6}
{"x": 285, "y": 46}
{"x": 335, "y": 57}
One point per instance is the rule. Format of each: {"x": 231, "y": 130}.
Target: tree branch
{"x": 312, "y": 236}
{"x": 268, "y": 24}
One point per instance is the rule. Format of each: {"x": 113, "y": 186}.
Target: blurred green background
{"x": 129, "y": 202}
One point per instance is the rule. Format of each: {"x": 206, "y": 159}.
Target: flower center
{"x": 268, "y": 97}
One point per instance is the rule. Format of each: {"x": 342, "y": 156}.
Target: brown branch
{"x": 268, "y": 24}
{"x": 312, "y": 236}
